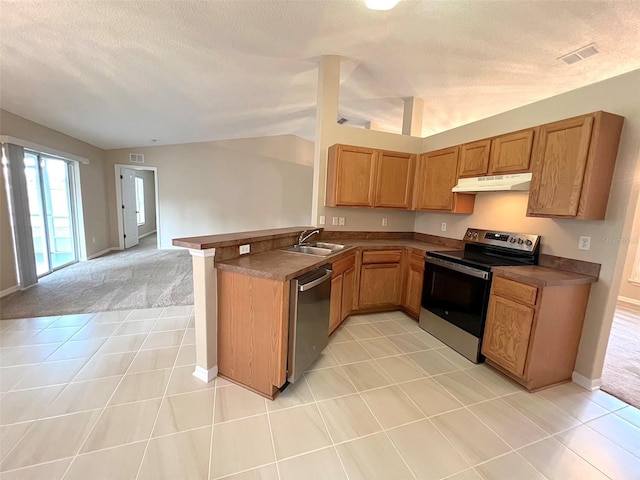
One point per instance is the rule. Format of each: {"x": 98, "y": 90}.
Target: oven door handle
{"x": 474, "y": 272}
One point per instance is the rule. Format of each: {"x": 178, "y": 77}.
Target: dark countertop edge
{"x": 274, "y": 276}
{"x": 226, "y": 265}
{"x": 205, "y": 242}
{"x": 531, "y": 277}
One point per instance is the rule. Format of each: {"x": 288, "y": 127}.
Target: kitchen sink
{"x": 321, "y": 249}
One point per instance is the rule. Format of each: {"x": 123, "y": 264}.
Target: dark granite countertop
{"x": 281, "y": 265}
{"x": 543, "y": 276}
{"x": 230, "y": 239}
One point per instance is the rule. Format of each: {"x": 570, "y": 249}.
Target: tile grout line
{"x": 164, "y": 396}
{"x": 92, "y": 429}
{"x": 213, "y": 425}
{"x": 333, "y": 444}
{"x": 273, "y": 443}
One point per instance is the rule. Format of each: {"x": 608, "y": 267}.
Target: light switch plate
{"x": 322, "y": 220}
{"x": 384, "y": 222}
{"x": 334, "y": 221}
{"x": 244, "y": 249}
{"x": 443, "y": 227}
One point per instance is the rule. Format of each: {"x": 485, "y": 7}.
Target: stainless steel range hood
{"x": 516, "y": 182}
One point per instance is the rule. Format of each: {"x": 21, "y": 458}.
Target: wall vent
{"x": 136, "y": 158}
{"x": 342, "y": 120}
{"x": 580, "y": 54}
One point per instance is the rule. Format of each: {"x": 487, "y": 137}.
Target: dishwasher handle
{"x": 316, "y": 282}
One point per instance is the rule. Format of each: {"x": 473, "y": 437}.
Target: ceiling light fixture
{"x": 381, "y": 4}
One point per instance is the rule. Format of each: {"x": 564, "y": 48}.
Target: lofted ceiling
{"x": 123, "y": 73}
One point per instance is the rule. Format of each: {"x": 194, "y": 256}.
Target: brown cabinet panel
{"x": 511, "y": 153}
{"x": 520, "y": 292}
{"x": 381, "y": 256}
{"x": 437, "y": 175}
{"x": 559, "y": 163}
{"x": 343, "y": 264}
{"x": 350, "y": 176}
{"x": 348, "y": 287}
{"x": 474, "y": 158}
{"x": 394, "y": 180}
{"x": 380, "y": 285}
{"x": 336, "y": 303}
{"x": 507, "y": 332}
{"x": 413, "y": 288}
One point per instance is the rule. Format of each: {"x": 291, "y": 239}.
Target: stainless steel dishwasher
{"x": 308, "y": 319}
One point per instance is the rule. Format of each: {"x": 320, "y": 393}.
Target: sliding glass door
{"x": 50, "y": 187}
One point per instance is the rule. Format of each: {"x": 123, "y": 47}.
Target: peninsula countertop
{"x": 282, "y": 265}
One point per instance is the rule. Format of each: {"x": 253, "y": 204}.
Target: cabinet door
{"x": 474, "y": 158}
{"x": 511, "y": 153}
{"x": 350, "y": 176}
{"x": 413, "y": 289}
{"x": 336, "y": 303}
{"x": 559, "y": 162}
{"x": 394, "y": 180}
{"x": 348, "y": 286}
{"x": 506, "y": 334}
{"x": 380, "y": 285}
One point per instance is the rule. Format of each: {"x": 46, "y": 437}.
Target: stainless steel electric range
{"x": 457, "y": 283}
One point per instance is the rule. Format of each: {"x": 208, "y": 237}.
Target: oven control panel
{"x": 515, "y": 241}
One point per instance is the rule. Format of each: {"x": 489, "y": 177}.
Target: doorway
{"x": 50, "y": 189}
{"x": 137, "y": 206}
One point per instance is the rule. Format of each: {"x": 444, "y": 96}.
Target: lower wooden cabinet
{"x": 532, "y": 332}
{"x": 380, "y": 285}
{"x": 414, "y": 278}
{"x": 342, "y": 290}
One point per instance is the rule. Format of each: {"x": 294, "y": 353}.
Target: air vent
{"x": 136, "y": 158}
{"x": 342, "y": 120}
{"x": 580, "y": 54}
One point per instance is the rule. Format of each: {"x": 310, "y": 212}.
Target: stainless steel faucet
{"x": 303, "y": 236}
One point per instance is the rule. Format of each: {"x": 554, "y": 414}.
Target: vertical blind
{"x": 19, "y": 202}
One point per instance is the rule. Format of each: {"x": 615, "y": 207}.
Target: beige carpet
{"x": 140, "y": 277}
{"x": 621, "y": 373}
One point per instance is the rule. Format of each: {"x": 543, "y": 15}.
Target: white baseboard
{"x": 99, "y": 254}
{"x": 585, "y": 382}
{"x": 147, "y": 234}
{"x": 629, "y": 301}
{"x": 204, "y": 374}
{"x": 9, "y": 291}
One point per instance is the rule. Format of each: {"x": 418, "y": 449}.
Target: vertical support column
{"x": 412, "y": 118}
{"x": 326, "y": 125}
{"x": 205, "y": 295}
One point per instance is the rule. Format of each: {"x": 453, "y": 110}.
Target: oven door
{"x": 457, "y": 294}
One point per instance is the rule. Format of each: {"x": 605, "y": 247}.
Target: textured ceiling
{"x": 120, "y": 73}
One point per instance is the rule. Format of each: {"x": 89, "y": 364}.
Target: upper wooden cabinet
{"x": 394, "y": 180}
{"x": 511, "y": 153}
{"x": 474, "y": 158}
{"x": 364, "y": 177}
{"x": 572, "y": 166}
{"x": 437, "y": 175}
{"x": 350, "y": 176}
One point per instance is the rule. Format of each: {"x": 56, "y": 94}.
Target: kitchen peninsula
{"x": 254, "y": 288}
{"x": 242, "y": 301}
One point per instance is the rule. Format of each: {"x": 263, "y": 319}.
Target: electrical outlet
{"x": 384, "y": 222}
{"x": 244, "y": 249}
{"x": 93, "y": 239}
{"x": 443, "y": 227}
{"x": 334, "y": 221}
{"x": 322, "y": 220}
{"x": 341, "y": 222}
{"x": 584, "y": 243}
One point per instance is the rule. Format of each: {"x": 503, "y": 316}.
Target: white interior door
{"x": 129, "y": 213}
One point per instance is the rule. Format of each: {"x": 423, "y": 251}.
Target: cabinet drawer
{"x": 520, "y": 292}
{"x": 381, "y": 256}
{"x": 344, "y": 264}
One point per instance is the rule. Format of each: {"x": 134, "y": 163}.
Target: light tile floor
{"x": 112, "y": 396}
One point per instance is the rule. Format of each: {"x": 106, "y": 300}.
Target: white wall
{"x": 228, "y": 186}
{"x": 148, "y": 177}
{"x": 619, "y": 95}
